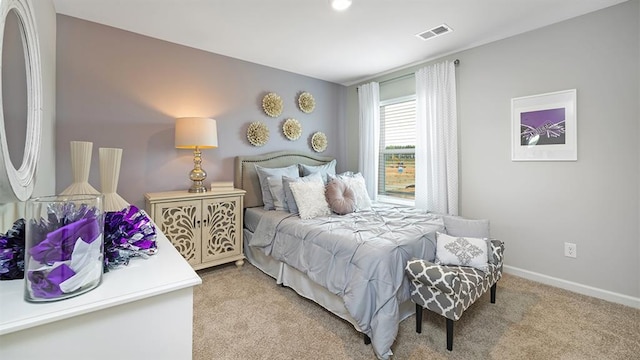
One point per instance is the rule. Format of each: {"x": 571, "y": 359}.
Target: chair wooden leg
{"x": 367, "y": 339}
{"x": 418, "y": 319}
{"x": 449, "y": 334}
{"x": 493, "y": 293}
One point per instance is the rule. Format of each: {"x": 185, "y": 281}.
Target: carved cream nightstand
{"x": 206, "y": 228}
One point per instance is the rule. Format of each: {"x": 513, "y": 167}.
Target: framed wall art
{"x": 544, "y": 127}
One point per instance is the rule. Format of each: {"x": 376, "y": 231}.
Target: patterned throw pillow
{"x": 462, "y": 251}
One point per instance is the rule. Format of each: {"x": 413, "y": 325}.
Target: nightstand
{"x": 206, "y": 228}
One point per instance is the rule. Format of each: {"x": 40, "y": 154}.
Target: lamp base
{"x": 197, "y": 175}
{"x": 197, "y": 187}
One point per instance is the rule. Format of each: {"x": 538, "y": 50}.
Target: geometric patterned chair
{"x": 448, "y": 290}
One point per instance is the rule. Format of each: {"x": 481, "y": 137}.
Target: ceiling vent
{"x": 436, "y": 31}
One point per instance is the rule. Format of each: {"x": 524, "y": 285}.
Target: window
{"x": 397, "y": 167}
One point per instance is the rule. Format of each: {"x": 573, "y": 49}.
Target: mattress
{"x": 252, "y": 217}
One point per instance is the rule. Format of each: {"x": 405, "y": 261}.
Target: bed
{"x": 352, "y": 265}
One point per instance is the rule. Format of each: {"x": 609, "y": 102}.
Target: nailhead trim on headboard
{"x": 245, "y": 165}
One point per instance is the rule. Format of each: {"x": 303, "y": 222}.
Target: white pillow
{"x": 357, "y": 184}
{"x": 277, "y": 192}
{"x": 310, "y": 198}
{"x": 462, "y": 251}
{"x": 288, "y": 195}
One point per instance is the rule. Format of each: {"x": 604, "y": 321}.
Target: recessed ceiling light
{"x": 340, "y": 5}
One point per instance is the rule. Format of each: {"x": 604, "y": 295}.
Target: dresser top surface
{"x": 183, "y": 194}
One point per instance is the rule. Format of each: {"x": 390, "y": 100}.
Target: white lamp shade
{"x": 195, "y": 131}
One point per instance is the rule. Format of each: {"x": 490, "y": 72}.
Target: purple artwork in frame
{"x": 542, "y": 127}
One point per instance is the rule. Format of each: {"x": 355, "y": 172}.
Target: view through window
{"x": 397, "y": 165}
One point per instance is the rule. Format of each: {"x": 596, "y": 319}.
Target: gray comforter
{"x": 359, "y": 257}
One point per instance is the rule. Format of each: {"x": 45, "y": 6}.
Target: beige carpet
{"x": 243, "y": 314}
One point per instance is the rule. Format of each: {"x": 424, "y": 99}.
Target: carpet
{"x": 241, "y": 313}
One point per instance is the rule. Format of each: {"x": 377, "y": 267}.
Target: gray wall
{"x": 536, "y": 206}
{"x": 124, "y": 90}
{"x": 45, "y": 18}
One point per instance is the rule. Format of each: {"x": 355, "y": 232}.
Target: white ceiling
{"x": 309, "y": 38}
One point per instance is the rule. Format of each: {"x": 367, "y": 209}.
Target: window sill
{"x": 396, "y": 201}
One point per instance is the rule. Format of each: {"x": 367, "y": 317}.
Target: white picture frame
{"x": 544, "y": 127}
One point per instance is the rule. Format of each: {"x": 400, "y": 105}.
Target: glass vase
{"x": 64, "y": 246}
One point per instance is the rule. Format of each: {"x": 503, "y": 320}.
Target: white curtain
{"x": 437, "y": 139}
{"x": 369, "y": 125}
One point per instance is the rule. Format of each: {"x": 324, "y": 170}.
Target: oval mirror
{"x": 14, "y": 88}
{"x": 21, "y": 120}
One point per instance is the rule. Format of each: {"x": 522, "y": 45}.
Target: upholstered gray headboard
{"x": 246, "y": 178}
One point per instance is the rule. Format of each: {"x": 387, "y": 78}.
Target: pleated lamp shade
{"x": 110, "y": 159}
{"x": 80, "y": 166}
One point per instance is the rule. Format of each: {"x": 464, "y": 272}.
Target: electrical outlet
{"x": 570, "y": 250}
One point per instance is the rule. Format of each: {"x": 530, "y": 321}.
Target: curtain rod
{"x": 456, "y": 62}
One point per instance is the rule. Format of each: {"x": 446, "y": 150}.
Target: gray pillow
{"x": 457, "y": 226}
{"x": 277, "y": 193}
{"x": 288, "y": 194}
{"x": 264, "y": 173}
{"x": 340, "y": 196}
{"x": 324, "y": 170}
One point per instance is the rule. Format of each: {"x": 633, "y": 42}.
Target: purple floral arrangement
{"x": 128, "y": 233}
{"x": 56, "y": 236}
{"x": 12, "y": 252}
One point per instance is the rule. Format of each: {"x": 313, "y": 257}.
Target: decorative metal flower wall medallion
{"x": 319, "y": 141}
{"x": 292, "y": 129}
{"x": 306, "y": 102}
{"x": 257, "y": 133}
{"x": 272, "y": 104}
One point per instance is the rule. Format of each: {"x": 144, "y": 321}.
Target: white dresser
{"x": 141, "y": 311}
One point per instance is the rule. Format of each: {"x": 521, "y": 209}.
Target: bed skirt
{"x": 305, "y": 287}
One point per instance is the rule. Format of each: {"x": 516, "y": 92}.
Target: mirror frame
{"x": 18, "y": 184}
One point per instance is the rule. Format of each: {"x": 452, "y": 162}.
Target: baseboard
{"x": 575, "y": 287}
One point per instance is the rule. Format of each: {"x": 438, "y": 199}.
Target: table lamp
{"x": 196, "y": 133}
